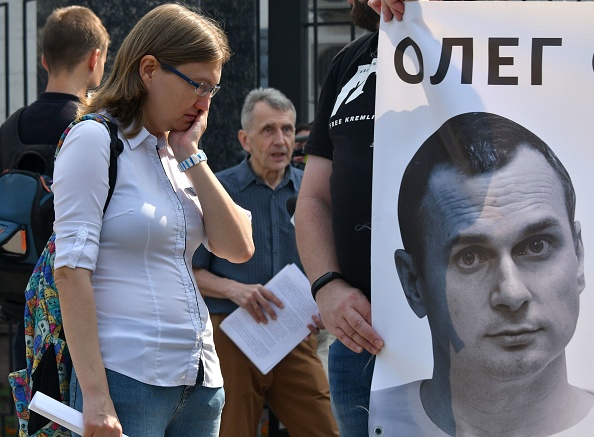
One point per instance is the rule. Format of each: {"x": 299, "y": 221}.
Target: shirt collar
{"x": 144, "y": 135}
{"x": 140, "y": 137}
{"x": 246, "y": 176}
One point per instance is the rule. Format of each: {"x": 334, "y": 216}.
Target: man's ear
{"x": 409, "y": 278}
{"x": 94, "y": 58}
{"x": 44, "y": 63}
{"x": 579, "y": 250}
{"x": 242, "y": 136}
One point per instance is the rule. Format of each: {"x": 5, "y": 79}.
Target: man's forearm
{"x": 313, "y": 220}
{"x": 211, "y": 285}
{"x": 315, "y": 240}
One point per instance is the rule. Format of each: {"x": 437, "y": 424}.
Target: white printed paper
{"x": 267, "y": 344}
{"x": 58, "y": 412}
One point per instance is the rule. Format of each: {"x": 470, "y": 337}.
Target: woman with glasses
{"x": 139, "y": 333}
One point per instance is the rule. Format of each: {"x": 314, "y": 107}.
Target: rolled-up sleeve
{"x": 80, "y": 189}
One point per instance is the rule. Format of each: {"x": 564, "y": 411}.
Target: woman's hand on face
{"x": 185, "y": 143}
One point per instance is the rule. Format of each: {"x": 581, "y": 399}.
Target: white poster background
{"x": 560, "y": 112}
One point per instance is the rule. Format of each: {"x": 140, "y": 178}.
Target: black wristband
{"x": 323, "y": 280}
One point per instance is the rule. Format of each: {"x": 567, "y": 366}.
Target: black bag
{"x": 48, "y": 359}
{"x": 26, "y": 213}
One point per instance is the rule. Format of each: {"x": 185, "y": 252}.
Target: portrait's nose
{"x": 509, "y": 290}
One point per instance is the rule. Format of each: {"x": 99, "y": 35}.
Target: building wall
{"x": 239, "y": 17}
{"x": 18, "y": 53}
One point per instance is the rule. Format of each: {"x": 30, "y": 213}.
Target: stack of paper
{"x": 58, "y": 412}
{"x": 266, "y": 344}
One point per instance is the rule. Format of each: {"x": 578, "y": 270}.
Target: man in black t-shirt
{"x": 74, "y": 50}
{"x": 333, "y": 220}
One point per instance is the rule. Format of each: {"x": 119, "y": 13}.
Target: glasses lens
{"x": 205, "y": 89}
{"x": 215, "y": 89}
{"x": 202, "y": 90}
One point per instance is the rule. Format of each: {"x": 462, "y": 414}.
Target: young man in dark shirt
{"x": 74, "y": 50}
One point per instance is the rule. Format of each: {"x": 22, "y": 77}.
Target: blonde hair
{"x": 173, "y": 34}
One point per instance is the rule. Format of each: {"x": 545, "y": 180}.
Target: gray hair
{"x": 271, "y": 96}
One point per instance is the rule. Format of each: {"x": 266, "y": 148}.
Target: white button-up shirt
{"x": 152, "y": 321}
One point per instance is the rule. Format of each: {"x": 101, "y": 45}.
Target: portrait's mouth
{"x": 515, "y": 337}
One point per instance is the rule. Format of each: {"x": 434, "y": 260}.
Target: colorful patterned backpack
{"x": 48, "y": 360}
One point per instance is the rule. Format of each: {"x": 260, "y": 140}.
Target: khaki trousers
{"x": 296, "y": 390}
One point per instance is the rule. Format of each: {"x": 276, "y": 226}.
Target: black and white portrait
{"x": 482, "y": 223}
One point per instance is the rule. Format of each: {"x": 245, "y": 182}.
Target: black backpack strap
{"x": 116, "y": 147}
{"x": 10, "y": 142}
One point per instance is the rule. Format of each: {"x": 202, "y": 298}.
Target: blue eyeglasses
{"x": 200, "y": 88}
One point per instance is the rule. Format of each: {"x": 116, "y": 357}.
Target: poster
{"x": 498, "y": 265}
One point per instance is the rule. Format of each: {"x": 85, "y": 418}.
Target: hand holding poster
{"x": 482, "y": 146}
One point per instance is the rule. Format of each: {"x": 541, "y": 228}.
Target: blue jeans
{"x": 152, "y": 411}
{"x": 350, "y": 376}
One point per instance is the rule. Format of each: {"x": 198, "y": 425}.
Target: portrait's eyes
{"x": 470, "y": 259}
{"x": 288, "y": 129}
{"x": 536, "y": 246}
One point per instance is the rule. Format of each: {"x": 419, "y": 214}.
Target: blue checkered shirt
{"x": 273, "y": 232}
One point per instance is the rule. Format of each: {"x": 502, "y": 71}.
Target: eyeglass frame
{"x": 210, "y": 89}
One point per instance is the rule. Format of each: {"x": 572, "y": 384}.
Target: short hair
{"x": 69, "y": 35}
{"x": 472, "y": 143}
{"x": 303, "y": 126}
{"x": 172, "y": 33}
{"x": 271, "y": 96}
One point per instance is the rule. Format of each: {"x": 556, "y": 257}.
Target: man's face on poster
{"x": 502, "y": 270}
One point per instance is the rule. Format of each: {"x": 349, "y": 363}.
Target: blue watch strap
{"x": 193, "y": 160}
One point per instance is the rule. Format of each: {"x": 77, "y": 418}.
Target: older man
{"x": 296, "y": 389}
{"x": 494, "y": 258}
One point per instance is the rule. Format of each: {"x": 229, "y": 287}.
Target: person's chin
{"x": 279, "y": 162}
{"x": 518, "y": 364}
{"x": 180, "y": 126}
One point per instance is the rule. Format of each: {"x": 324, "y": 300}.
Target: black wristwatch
{"x": 323, "y": 280}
